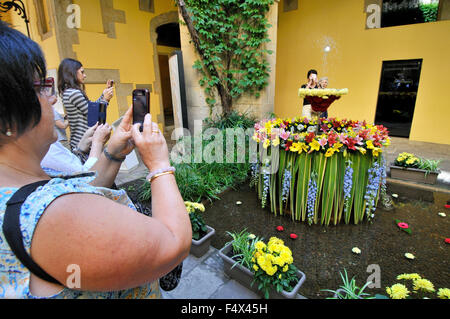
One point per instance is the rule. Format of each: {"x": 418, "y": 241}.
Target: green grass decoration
{"x": 329, "y": 200}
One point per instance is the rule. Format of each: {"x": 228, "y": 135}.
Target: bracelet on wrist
{"x": 113, "y": 158}
{"x": 160, "y": 172}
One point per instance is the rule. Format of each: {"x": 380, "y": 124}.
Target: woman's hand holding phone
{"x": 120, "y": 143}
{"x": 151, "y": 144}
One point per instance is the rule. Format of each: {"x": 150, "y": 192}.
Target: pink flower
{"x": 403, "y": 225}
{"x": 323, "y": 141}
{"x": 285, "y": 135}
{"x": 293, "y": 236}
{"x": 280, "y": 228}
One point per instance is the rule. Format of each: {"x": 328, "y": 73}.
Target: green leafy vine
{"x": 230, "y": 37}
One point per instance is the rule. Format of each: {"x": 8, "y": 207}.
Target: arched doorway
{"x": 165, "y": 37}
{"x": 168, "y": 41}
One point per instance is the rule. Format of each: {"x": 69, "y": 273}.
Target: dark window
{"x": 397, "y": 95}
{"x": 401, "y": 12}
{"x": 169, "y": 35}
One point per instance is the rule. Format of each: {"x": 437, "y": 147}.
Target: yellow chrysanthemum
{"x": 256, "y": 268}
{"x": 398, "y": 291}
{"x": 275, "y": 240}
{"x": 260, "y": 245}
{"x": 266, "y": 143}
{"x": 443, "y": 293}
{"x": 409, "y": 277}
{"x": 271, "y": 270}
{"x": 423, "y": 284}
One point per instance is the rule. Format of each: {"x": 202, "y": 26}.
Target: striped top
{"x": 76, "y": 107}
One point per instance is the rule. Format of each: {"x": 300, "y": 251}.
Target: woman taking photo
{"x": 71, "y": 87}
{"x": 77, "y": 240}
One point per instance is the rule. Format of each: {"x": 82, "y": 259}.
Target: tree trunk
{"x": 225, "y": 96}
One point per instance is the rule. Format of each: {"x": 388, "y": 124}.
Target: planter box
{"x": 245, "y": 277}
{"x": 414, "y": 174}
{"x": 201, "y": 246}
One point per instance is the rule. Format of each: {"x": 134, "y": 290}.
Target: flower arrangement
{"x": 409, "y": 160}
{"x": 272, "y": 265}
{"x": 420, "y": 286}
{"x": 335, "y": 136}
{"x": 199, "y": 228}
{"x": 323, "y": 93}
{"x": 329, "y": 169}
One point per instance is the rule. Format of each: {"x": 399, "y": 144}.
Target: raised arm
{"x": 115, "y": 247}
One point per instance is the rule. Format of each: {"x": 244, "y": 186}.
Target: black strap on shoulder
{"x": 13, "y": 234}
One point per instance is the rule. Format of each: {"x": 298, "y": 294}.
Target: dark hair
{"x": 311, "y": 72}
{"x": 67, "y": 76}
{"x": 22, "y": 63}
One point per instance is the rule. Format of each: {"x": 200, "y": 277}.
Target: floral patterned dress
{"x": 15, "y": 278}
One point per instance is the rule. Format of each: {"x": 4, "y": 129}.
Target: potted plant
{"x": 349, "y": 290}
{"x": 267, "y": 270}
{"x": 201, "y": 233}
{"x": 409, "y": 167}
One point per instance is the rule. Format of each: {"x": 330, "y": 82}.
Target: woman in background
{"x": 71, "y": 87}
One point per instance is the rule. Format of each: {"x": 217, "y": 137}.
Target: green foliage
{"x": 243, "y": 247}
{"x": 199, "y": 181}
{"x": 349, "y": 290}
{"x": 232, "y": 35}
{"x": 429, "y": 11}
{"x": 198, "y": 225}
{"x": 232, "y": 120}
{"x": 429, "y": 165}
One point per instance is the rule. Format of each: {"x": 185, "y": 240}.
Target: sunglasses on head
{"x": 47, "y": 88}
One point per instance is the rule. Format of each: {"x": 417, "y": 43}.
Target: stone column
{"x": 195, "y": 95}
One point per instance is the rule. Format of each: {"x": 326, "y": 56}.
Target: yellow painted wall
{"x": 355, "y": 62}
{"x": 49, "y": 46}
{"x": 131, "y": 52}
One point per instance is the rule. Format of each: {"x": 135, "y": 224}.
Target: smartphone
{"x": 141, "y": 106}
{"x": 110, "y": 83}
{"x": 102, "y": 113}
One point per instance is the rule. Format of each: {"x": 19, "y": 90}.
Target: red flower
{"x": 293, "y": 236}
{"x": 447, "y": 206}
{"x": 280, "y": 228}
{"x": 332, "y": 139}
{"x": 309, "y": 138}
{"x": 288, "y": 145}
{"x": 447, "y": 240}
{"x": 403, "y": 225}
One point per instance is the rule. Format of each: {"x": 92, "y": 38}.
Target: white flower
{"x": 356, "y": 250}
{"x": 395, "y": 195}
{"x": 238, "y": 203}
{"x": 410, "y": 256}
{"x": 442, "y": 214}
